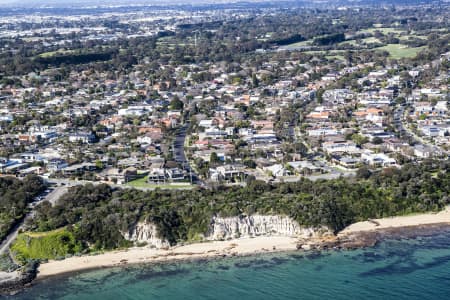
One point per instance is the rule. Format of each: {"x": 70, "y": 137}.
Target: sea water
{"x": 394, "y": 269}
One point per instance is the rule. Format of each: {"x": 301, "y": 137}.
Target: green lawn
{"x": 138, "y": 182}
{"x": 297, "y": 45}
{"x": 351, "y": 42}
{"x": 142, "y": 183}
{"x": 398, "y": 51}
{"x": 338, "y": 57}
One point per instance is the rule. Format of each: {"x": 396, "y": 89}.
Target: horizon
{"x": 89, "y": 3}
{"x": 124, "y": 2}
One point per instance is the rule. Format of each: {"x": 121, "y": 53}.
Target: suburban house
{"x": 377, "y": 159}
{"x": 277, "y": 170}
{"x": 227, "y": 172}
{"x": 82, "y": 137}
{"x": 340, "y": 146}
{"x": 118, "y": 176}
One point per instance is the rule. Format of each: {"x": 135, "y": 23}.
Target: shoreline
{"x": 442, "y": 217}
{"x": 357, "y": 235}
{"x": 160, "y": 262}
{"x": 145, "y": 255}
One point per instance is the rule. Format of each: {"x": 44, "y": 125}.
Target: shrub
{"x": 49, "y": 245}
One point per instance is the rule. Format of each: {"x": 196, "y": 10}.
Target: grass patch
{"x": 398, "y": 51}
{"x": 297, "y": 45}
{"x": 371, "y": 40}
{"x": 335, "y": 57}
{"x": 350, "y": 42}
{"x": 45, "y": 245}
{"x": 142, "y": 183}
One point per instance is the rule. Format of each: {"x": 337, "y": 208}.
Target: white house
{"x": 227, "y": 172}
{"x": 377, "y": 159}
{"x": 215, "y": 133}
{"x": 83, "y": 137}
{"x": 277, "y": 170}
{"x": 430, "y": 131}
{"x": 323, "y": 131}
{"x": 144, "y": 139}
{"x": 334, "y": 147}
{"x": 423, "y": 151}
{"x": 205, "y": 123}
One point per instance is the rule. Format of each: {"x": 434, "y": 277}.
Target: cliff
{"x": 255, "y": 225}
{"x": 145, "y": 232}
{"x": 230, "y": 228}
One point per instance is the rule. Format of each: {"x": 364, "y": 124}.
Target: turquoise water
{"x": 394, "y": 269}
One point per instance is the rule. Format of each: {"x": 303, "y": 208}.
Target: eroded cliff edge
{"x": 225, "y": 228}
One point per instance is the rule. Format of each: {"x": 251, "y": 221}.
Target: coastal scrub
{"x": 45, "y": 245}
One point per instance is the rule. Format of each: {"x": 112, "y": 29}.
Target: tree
{"x": 99, "y": 164}
{"x": 319, "y": 95}
{"x": 255, "y": 81}
{"x": 359, "y": 139}
{"x": 377, "y": 140}
{"x": 176, "y": 104}
{"x": 250, "y": 163}
{"x": 363, "y": 172}
{"x": 400, "y": 100}
{"x": 214, "y": 159}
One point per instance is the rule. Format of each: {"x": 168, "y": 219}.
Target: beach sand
{"x": 442, "y": 217}
{"x": 244, "y": 246}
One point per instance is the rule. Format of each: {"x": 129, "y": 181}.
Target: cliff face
{"x": 245, "y": 226}
{"x": 145, "y": 232}
{"x": 230, "y": 228}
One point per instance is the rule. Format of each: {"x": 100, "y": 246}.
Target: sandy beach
{"x": 244, "y": 246}
{"x": 398, "y": 222}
